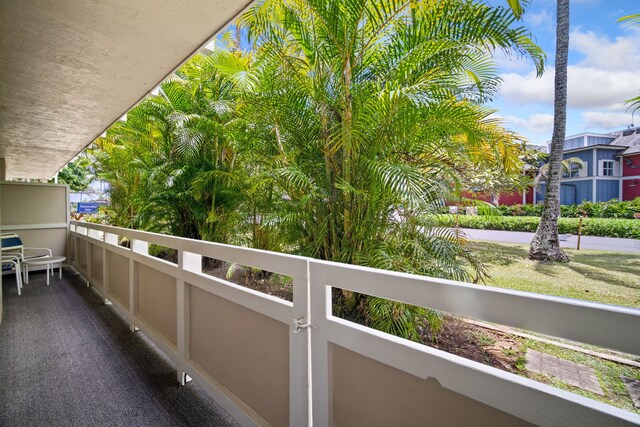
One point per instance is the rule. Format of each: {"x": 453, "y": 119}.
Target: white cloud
{"x": 605, "y": 120}
{"x": 607, "y": 75}
{"x": 537, "y": 19}
{"x": 588, "y": 87}
{"x": 600, "y": 52}
{"x": 536, "y": 123}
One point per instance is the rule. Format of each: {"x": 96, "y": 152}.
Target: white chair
{"x": 13, "y": 262}
{"x": 12, "y": 246}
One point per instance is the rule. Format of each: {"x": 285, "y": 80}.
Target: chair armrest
{"x": 6, "y": 261}
{"x": 46, "y": 250}
{"x": 17, "y": 255}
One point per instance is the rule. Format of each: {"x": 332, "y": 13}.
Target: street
{"x": 612, "y": 244}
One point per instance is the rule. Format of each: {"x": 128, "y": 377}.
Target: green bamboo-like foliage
{"x": 336, "y": 135}
{"x": 171, "y": 164}
{"x": 366, "y": 107}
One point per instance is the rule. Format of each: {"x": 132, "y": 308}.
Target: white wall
{"x": 37, "y": 212}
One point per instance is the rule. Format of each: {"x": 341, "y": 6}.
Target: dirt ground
{"x": 476, "y": 343}
{"x": 256, "y": 280}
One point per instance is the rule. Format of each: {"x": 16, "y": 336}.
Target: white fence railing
{"x": 272, "y": 362}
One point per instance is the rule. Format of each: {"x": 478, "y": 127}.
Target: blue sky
{"x": 604, "y": 71}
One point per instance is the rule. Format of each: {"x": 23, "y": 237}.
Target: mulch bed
{"x": 257, "y": 280}
{"x": 457, "y": 337}
{"x": 460, "y": 338}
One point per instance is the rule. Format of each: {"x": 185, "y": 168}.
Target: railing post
{"x": 187, "y": 261}
{"x": 299, "y": 354}
{"x": 87, "y": 257}
{"x": 141, "y": 247}
{"x": 111, "y": 239}
{"x": 75, "y": 250}
{"x": 105, "y": 270}
{"x": 320, "y": 308}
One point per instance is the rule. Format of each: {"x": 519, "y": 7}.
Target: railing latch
{"x": 299, "y": 324}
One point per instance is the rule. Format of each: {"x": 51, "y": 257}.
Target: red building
{"x": 515, "y": 198}
{"x": 630, "y": 160}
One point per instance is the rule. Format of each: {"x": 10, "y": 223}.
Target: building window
{"x": 607, "y": 168}
{"x": 574, "y": 171}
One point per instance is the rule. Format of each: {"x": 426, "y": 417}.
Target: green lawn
{"x": 608, "y": 277}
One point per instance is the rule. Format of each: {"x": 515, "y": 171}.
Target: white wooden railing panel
{"x": 598, "y": 324}
{"x": 188, "y": 273}
{"x": 313, "y": 330}
{"x": 289, "y": 265}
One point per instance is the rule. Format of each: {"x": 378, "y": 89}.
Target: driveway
{"x": 612, "y": 244}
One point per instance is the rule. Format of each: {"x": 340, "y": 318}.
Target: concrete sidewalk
{"x": 612, "y": 244}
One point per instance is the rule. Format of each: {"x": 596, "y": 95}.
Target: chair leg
{"x": 18, "y": 282}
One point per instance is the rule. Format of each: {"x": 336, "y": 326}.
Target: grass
{"x": 608, "y": 374}
{"x": 483, "y": 339}
{"x": 600, "y": 276}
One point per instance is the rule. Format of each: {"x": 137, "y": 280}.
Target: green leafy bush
{"x": 521, "y": 210}
{"x": 604, "y": 227}
{"x": 612, "y": 209}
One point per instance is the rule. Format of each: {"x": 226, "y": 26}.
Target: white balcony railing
{"x": 270, "y": 361}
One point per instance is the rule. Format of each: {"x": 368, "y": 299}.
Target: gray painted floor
{"x": 67, "y": 359}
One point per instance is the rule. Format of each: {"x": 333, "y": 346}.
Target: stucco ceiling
{"x": 70, "y": 68}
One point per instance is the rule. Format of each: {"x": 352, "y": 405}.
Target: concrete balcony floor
{"x": 68, "y": 359}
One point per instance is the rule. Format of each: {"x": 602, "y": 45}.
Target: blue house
{"x": 610, "y": 170}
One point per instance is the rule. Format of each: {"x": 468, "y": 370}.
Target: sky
{"x": 603, "y": 72}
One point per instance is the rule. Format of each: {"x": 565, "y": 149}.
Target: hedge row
{"x": 604, "y": 227}
{"x": 612, "y": 209}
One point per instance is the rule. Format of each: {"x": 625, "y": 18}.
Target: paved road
{"x": 613, "y": 244}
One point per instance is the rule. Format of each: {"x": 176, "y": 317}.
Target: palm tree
{"x": 171, "y": 163}
{"x": 78, "y": 174}
{"x": 334, "y": 137}
{"x": 545, "y": 245}
{"x": 365, "y": 106}
{"x": 567, "y": 166}
{"x": 361, "y": 111}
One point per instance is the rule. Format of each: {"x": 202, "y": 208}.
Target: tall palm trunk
{"x": 545, "y": 245}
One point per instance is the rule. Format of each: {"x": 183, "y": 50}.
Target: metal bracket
{"x": 298, "y": 325}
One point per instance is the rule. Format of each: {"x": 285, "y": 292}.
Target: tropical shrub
{"x": 611, "y": 209}
{"x": 604, "y": 227}
{"x": 365, "y": 108}
{"x": 334, "y": 136}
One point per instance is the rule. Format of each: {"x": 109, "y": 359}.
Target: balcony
{"x": 70, "y": 360}
{"x": 118, "y": 343}
{"x": 267, "y": 361}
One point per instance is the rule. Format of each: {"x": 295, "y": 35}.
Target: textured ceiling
{"x": 70, "y": 68}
